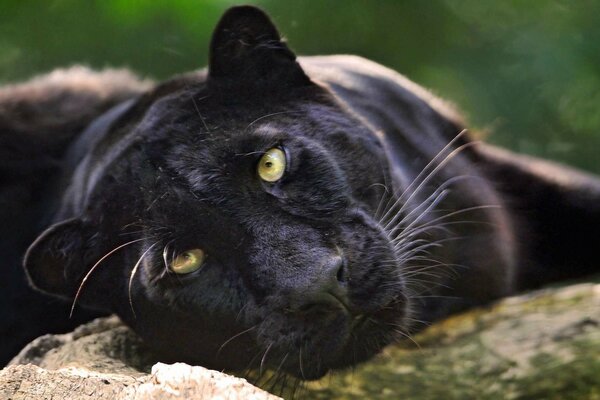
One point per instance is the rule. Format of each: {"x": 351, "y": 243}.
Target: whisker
{"x": 270, "y": 115}
{"x": 432, "y": 198}
{"x": 87, "y": 275}
{"x": 133, "y": 271}
{"x": 409, "y": 337}
{"x": 263, "y": 359}
{"x": 457, "y": 212}
{"x": 439, "y": 198}
{"x": 300, "y": 363}
{"x": 277, "y": 374}
{"x": 248, "y": 370}
{"x": 232, "y": 338}
{"x": 426, "y": 180}
{"x": 425, "y": 169}
{"x": 407, "y": 251}
{"x": 380, "y": 203}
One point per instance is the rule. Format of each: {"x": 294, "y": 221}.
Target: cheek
{"x": 208, "y": 291}
{"x": 373, "y": 180}
{"x": 316, "y": 195}
{"x": 284, "y": 256}
{"x": 373, "y": 270}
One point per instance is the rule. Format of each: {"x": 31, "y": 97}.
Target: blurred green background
{"x": 527, "y": 73}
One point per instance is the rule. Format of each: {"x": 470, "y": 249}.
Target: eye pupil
{"x": 268, "y": 164}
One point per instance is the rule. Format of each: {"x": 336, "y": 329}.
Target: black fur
{"x": 38, "y": 120}
{"x": 387, "y": 213}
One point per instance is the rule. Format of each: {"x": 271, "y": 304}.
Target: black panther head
{"x": 232, "y": 217}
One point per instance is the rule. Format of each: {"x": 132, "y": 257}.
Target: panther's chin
{"x": 309, "y": 373}
{"x": 372, "y": 332}
{"x": 359, "y": 339}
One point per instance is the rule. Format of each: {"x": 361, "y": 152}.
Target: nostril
{"x": 341, "y": 272}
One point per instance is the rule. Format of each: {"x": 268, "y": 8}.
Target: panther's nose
{"x": 328, "y": 290}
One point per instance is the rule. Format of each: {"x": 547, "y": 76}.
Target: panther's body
{"x": 388, "y": 213}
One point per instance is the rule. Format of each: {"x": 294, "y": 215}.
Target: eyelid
{"x": 288, "y": 159}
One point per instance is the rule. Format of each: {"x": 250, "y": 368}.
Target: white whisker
{"x": 85, "y": 278}
{"x": 423, "y": 172}
{"x": 133, "y": 271}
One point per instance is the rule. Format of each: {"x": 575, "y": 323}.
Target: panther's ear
{"x": 58, "y": 257}
{"x": 246, "y": 51}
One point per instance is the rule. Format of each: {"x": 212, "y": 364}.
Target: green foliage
{"x": 528, "y": 72}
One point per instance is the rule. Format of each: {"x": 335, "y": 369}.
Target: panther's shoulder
{"x": 353, "y": 77}
{"x": 65, "y": 100}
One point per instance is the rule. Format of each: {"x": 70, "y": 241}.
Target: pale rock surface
{"x": 105, "y": 360}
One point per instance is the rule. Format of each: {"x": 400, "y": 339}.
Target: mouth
{"x": 340, "y": 340}
{"x": 342, "y": 302}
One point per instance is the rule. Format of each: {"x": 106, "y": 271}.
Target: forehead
{"x": 201, "y": 127}
{"x": 216, "y": 109}
{"x": 195, "y": 118}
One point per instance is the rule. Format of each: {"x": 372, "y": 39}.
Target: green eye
{"x": 271, "y": 166}
{"x": 188, "y": 261}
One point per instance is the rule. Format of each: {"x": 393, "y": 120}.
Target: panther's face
{"x": 236, "y": 222}
{"x": 261, "y": 241}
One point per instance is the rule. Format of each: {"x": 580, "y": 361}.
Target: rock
{"x": 541, "y": 345}
{"x": 544, "y": 344}
{"x": 106, "y": 360}
{"x": 176, "y": 381}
